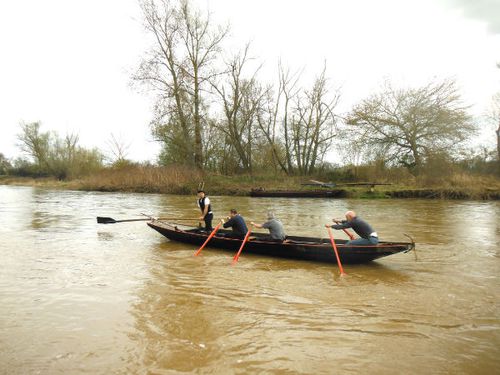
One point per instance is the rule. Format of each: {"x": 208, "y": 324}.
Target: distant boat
{"x": 326, "y": 192}
{"x": 332, "y": 193}
{"x": 295, "y": 247}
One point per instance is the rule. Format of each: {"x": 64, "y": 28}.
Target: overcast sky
{"x": 68, "y": 63}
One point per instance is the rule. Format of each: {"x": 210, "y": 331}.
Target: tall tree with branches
{"x": 407, "y": 124}
{"x": 35, "y": 143}
{"x": 314, "y": 125}
{"x": 177, "y": 68}
{"x": 241, "y": 99}
{"x": 274, "y": 117}
{"x": 495, "y": 117}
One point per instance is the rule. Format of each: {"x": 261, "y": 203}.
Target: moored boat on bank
{"x": 331, "y": 193}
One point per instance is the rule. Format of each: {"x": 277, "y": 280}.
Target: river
{"x": 80, "y": 297}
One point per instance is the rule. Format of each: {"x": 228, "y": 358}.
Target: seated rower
{"x": 361, "y": 227}
{"x": 275, "y": 227}
{"x": 237, "y": 224}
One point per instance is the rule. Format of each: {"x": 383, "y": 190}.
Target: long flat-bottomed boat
{"x": 294, "y": 247}
{"x": 337, "y": 193}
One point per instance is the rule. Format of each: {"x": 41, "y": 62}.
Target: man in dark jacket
{"x": 237, "y": 224}
{"x": 367, "y": 235}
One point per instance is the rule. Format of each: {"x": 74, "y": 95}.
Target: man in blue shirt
{"x": 237, "y": 223}
{"x": 367, "y": 235}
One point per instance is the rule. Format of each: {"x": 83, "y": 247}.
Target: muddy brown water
{"x": 78, "y": 297}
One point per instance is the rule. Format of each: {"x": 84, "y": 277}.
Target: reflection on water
{"x": 78, "y": 297}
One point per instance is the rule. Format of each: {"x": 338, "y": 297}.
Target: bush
{"x": 54, "y": 156}
{"x": 24, "y": 168}
{"x": 5, "y": 165}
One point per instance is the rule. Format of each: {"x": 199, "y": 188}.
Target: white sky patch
{"x": 68, "y": 63}
{"x": 485, "y": 10}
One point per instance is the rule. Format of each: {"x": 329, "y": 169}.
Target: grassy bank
{"x": 181, "y": 180}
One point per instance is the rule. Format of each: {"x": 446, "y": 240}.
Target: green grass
{"x": 185, "y": 181}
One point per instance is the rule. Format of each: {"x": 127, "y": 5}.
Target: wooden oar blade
{"x": 332, "y": 240}
{"x": 105, "y": 220}
{"x": 237, "y": 256}
{"x": 208, "y": 239}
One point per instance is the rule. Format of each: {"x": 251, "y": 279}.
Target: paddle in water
{"x": 236, "y": 257}
{"x": 332, "y": 240}
{"x": 208, "y": 239}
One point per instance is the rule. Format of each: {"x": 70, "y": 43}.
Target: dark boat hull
{"x": 303, "y": 248}
{"x": 337, "y": 193}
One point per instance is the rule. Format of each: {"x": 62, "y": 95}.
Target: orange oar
{"x": 208, "y": 239}
{"x": 235, "y": 259}
{"x": 351, "y": 236}
{"x": 332, "y": 240}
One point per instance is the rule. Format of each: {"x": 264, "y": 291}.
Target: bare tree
{"x": 178, "y": 68}
{"x": 268, "y": 126}
{"x": 241, "y": 99}
{"x": 56, "y": 156}
{"x": 4, "y": 164}
{"x": 202, "y": 44}
{"x": 495, "y": 117}
{"x": 274, "y": 118}
{"x": 408, "y": 124}
{"x": 299, "y": 125}
{"x": 35, "y": 143}
{"x": 118, "y": 149}
{"x": 313, "y": 128}
{"x": 161, "y": 70}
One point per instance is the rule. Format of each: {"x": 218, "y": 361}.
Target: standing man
{"x": 276, "y": 231}
{"x": 367, "y": 235}
{"x": 206, "y": 210}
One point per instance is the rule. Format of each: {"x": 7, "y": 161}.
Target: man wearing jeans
{"x": 367, "y": 235}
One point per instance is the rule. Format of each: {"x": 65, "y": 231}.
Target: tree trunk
{"x": 198, "y": 145}
{"x": 498, "y": 142}
{"x": 498, "y": 148}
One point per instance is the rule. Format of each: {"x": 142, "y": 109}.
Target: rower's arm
{"x": 228, "y": 223}
{"x": 343, "y": 225}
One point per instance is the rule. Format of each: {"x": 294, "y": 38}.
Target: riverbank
{"x": 182, "y": 181}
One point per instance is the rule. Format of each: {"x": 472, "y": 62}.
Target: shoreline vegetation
{"x": 218, "y": 122}
{"x": 185, "y": 181}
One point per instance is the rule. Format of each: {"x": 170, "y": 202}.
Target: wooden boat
{"x": 336, "y": 193}
{"x": 295, "y": 247}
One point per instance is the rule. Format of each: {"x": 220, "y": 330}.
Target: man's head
{"x": 350, "y": 215}
{"x": 201, "y": 194}
{"x": 233, "y": 212}
{"x": 270, "y": 215}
